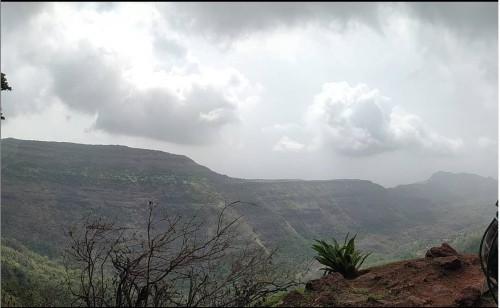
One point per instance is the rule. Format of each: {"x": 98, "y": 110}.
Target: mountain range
{"x": 48, "y": 186}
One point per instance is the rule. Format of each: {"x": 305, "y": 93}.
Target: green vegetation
{"x": 29, "y": 279}
{"x": 345, "y": 259}
{"x": 468, "y": 242}
{"x": 277, "y": 299}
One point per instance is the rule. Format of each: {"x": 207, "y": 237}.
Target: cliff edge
{"x": 443, "y": 278}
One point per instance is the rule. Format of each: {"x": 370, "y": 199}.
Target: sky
{"x": 387, "y": 92}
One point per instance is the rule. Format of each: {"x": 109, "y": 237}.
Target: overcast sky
{"x": 385, "y": 92}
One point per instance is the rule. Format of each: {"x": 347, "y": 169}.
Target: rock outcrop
{"x": 444, "y": 250}
{"x": 443, "y": 278}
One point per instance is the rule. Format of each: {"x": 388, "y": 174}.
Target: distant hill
{"x": 446, "y": 188}
{"x": 47, "y": 186}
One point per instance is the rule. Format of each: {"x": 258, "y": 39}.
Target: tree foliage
{"x": 29, "y": 279}
{"x": 5, "y": 84}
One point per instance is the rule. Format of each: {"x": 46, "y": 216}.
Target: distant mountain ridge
{"x": 49, "y": 185}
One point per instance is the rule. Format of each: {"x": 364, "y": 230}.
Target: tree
{"x": 170, "y": 262}
{"x": 5, "y": 86}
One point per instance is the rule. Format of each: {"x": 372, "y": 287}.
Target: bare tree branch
{"x": 172, "y": 262}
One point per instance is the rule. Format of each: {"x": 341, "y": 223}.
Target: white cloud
{"x": 286, "y": 144}
{"x": 358, "y": 120}
{"x": 215, "y": 115}
{"x": 281, "y": 128}
{"x": 486, "y": 142}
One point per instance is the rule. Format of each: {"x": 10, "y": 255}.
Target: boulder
{"x": 444, "y": 250}
{"x": 449, "y": 263}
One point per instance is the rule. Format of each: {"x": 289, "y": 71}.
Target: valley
{"x": 48, "y": 186}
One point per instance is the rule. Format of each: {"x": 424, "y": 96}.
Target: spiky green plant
{"x": 344, "y": 259}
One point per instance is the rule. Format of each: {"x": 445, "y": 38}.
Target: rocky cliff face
{"x": 444, "y": 278}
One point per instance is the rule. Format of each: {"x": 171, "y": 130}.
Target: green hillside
{"x": 29, "y": 279}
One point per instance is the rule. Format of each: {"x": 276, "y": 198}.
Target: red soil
{"x": 442, "y": 279}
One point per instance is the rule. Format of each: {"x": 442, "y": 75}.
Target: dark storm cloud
{"x": 470, "y": 19}
{"x": 226, "y": 20}
{"x": 84, "y": 80}
{"x": 16, "y": 14}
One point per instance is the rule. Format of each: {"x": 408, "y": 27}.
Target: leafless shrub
{"x": 171, "y": 262}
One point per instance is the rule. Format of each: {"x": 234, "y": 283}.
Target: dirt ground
{"x": 434, "y": 281}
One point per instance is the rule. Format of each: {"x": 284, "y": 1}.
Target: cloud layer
{"x": 84, "y": 81}
{"x": 229, "y": 21}
{"x": 286, "y": 144}
{"x": 225, "y": 20}
{"x": 186, "y": 103}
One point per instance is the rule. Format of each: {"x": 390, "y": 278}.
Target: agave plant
{"x": 345, "y": 259}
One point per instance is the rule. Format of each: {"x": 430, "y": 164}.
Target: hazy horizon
{"x": 386, "y": 92}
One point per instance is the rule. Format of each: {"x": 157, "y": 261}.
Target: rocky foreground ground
{"x": 443, "y": 278}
